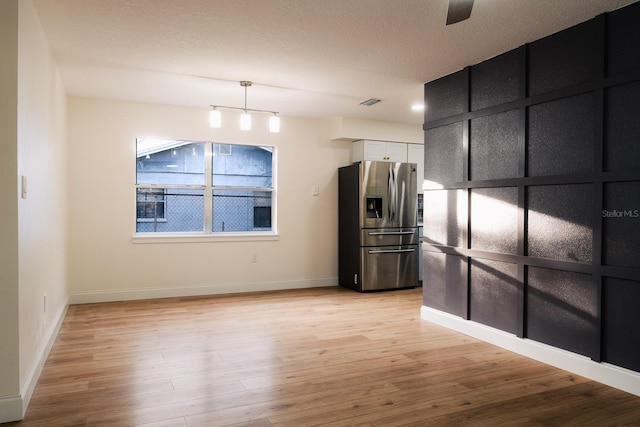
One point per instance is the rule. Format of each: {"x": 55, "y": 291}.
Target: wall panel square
{"x": 495, "y": 81}
{"x": 445, "y": 97}
{"x": 494, "y": 148}
{"x": 561, "y": 309}
{"x": 621, "y": 224}
{"x": 622, "y": 149}
{"x": 493, "y": 298}
{"x": 621, "y": 323}
{"x": 445, "y": 282}
{"x": 443, "y": 161}
{"x": 561, "y": 136}
{"x": 563, "y": 59}
{"x": 494, "y": 219}
{"x": 560, "y": 221}
{"x": 446, "y": 217}
{"x": 623, "y": 40}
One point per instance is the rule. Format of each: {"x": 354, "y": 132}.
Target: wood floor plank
{"x": 323, "y": 356}
{"x": 176, "y": 422}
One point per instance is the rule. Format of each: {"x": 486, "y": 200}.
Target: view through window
{"x": 203, "y": 187}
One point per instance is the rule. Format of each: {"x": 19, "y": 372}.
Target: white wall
{"x": 33, "y": 249}
{"x": 107, "y": 265}
{"x": 42, "y": 215}
{"x": 354, "y": 128}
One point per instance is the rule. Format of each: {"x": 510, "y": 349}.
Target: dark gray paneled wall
{"x": 532, "y": 217}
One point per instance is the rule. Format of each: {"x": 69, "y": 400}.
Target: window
{"x": 203, "y": 187}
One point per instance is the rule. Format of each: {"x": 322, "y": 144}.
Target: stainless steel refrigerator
{"x": 378, "y": 229}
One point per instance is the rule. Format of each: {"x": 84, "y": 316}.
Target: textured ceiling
{"x": 307, "y": 58}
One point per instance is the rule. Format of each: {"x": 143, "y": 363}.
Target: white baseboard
{"x": 13, "y": 408}
{"x": 10, "y": 408}
{"x": 185, "y": 291}
{"x": 611, "y": 375}
{"x": 29, "y": 385}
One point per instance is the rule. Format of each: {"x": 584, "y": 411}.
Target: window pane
{"x": 241, "y": 210}
{"x": 242, "y": 165}
{"x": 150, "y": 203}
{"x": 165, "y": 161}
{"x": 181, "y": 209}
{"x": 262, "y": 217}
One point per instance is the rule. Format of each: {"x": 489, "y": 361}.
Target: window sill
{"x": 202, "y": 238}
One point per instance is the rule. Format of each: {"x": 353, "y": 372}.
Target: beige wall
{"x": 42, "y": 215}
{"x": 33, "y": 248}
{"x": 106, "y": 264}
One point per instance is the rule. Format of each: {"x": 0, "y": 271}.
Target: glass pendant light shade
{"x": 274, "y": 123}
{"x": 215, "y": 118}
{"x": 245, "y": 121}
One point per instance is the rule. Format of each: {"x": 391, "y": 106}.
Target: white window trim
{"x": 203, "y": 238}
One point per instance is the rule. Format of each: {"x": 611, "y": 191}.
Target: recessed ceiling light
{"x": 417, "y": 107}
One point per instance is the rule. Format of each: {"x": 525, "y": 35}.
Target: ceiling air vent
{"x": 370, "y": 101}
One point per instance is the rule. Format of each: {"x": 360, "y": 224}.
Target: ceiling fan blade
{"x": 459, "y": 10}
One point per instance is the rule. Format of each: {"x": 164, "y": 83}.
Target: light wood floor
{"x": 328, "y": 356}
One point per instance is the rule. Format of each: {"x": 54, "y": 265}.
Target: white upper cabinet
{"x": 385, "y": 151}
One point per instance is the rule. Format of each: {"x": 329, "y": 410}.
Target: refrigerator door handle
{"x": 390, "y": 233}
{"x": 391, "y": 251}
{"x": 392, "y": 195}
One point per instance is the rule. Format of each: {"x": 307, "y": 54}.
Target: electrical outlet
{"x": 254, "y": 257}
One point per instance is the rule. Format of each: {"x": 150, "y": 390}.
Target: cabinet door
{"x": 415, "y": 154}
{"x": 375, "y": 150}
{"x": 396, "y": 152}
{"x": 383, "y": 151}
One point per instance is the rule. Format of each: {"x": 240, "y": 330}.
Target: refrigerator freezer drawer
{"x": 389, "y": 236}
{"x": 388, "y": 267}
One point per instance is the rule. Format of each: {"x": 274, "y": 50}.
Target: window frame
{"x": 208, "y": 188}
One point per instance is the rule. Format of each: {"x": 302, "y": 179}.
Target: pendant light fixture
{"x": 245, "y": 117}
{"x": 215, "y": 117}
{"x": 274, "y": 123}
